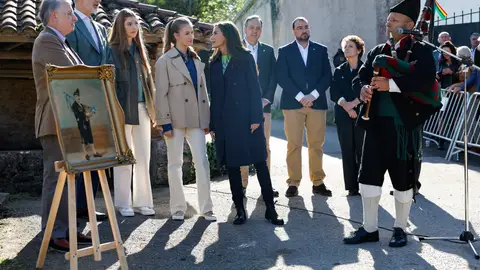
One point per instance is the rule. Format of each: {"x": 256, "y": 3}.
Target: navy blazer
{"x": 236, "y": 103}
{"x": 266, "y": 73}
{"x": 83, "y": 44}
{"x": 294, "y": 77}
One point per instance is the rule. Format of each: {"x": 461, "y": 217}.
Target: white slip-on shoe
{"x": 126, "y": 211}
{"x": 209, "y": 216}
{"x": 145, "y": 210}
{"x": 179, "y": 216}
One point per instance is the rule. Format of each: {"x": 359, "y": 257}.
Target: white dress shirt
{"x": 391, "y": 83}
{"x": 62, "y": 37}
{"x": 253, "y": 50}
{"x": 304, "y": 53}
{"x": 89, "y": 24}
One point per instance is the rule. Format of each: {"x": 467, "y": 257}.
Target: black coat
{"x": 411, "y": 112}
{"x": 83, "y": 123}
{"x": 294, "y": 77}
{"x": 342, "y": 87}
{"x": 235, "y": 105}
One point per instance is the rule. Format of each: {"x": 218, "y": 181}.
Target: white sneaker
{"x": 145, "y": 210}
{"x": 209, "y": 216}
{"x": 126, "y": 211}
{"x": 179, "y": 216}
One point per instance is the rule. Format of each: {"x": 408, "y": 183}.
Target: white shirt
{"x": 304, "y": 53}
{"x": 253, "y": 50}
{"x": 89, "y": 24}
{"x": 391, "y": 83}
{"x": 473, "y": 54}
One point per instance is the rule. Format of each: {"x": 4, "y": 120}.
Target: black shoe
{"x": 352, "y": 193}
{"x": 97, "y": 155}
{"x": 244, "y": 190}
{"x": 322, "y": 190}
{"x": 275, "y": 193}
{"x": 399, "y": 238}
{"x": 361, "y": 236}
{"x": 83, "y": 214}
{"x": 292, "y": 191}
{"x": 240, "y": 218}
{"x": 272, "y": 216}
{"x": 87, "y": 157}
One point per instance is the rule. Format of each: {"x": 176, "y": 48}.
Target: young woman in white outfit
{"x": 182, "y": 107}
{"x": 136, "y": 94}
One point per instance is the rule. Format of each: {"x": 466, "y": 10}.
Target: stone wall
{"x": 17, "y": 115}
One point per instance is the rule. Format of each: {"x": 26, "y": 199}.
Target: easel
{"x": 96, "y": 249}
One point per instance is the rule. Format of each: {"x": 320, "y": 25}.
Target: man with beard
{"x": 406, "y": 95}
{"x": 304, "y": 73}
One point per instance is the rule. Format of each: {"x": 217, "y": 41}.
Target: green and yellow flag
{"x": 440, "y": 11}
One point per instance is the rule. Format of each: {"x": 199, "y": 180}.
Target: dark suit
{"x": 349, "y": 136}
{"x": 236, "y": 105}
{"x": 298, "y": 78}
{"x": 84, "y": 45}
{"x": 83, "y": 123}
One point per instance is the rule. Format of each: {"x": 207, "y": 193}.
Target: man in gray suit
{"x": 89, "y": 40}
{"x": 52, "y": 47}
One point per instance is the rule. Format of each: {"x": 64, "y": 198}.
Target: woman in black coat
{"x": 236, "y": 117}
{"x": 346, "y": 111}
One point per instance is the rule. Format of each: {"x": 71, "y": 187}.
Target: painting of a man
{"x": 83, "y": 113}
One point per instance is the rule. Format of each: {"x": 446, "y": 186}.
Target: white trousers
{"x": 138, "y": 139}
{"x": 196, "y": 140}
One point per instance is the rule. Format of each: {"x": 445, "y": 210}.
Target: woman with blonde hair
{"x": 183, "y": 112}
{"x": 135, "y": 92}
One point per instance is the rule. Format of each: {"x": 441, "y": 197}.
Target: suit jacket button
{"x": 201, "y": 85}
{"x": 186, "y": 100}
{"x": 203, "y": 101}
{"x": 234, "y": 83}
{"x": 185, "y": 83}
{"x": 417, "y": 114}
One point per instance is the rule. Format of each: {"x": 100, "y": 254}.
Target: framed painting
{"x": 89, "y": 120}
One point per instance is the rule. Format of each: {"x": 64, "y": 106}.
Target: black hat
{"x": 409, "y": 8}
{"x": 76, "y": 93}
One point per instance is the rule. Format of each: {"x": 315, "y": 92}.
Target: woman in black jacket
{"x": 346, "y": 111}
{"x": 236, "y": 117}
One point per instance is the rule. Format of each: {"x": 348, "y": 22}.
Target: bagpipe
{"x": 391, "y": 67}
{"x": 89, "y": 110}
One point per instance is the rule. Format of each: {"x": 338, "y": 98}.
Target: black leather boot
{"x": 272, "y": 216}
{"x": 241, "y": 217}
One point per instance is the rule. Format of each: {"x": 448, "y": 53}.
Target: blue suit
{"x": 82, "y": 42}
{"x": 474, "y": 79}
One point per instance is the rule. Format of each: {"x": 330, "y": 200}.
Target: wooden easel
{"x": 96, "y": 249}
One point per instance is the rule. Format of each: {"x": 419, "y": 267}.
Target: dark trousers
{"x": 350, "y": 138}
{"x": 81, "y": 195}
{"x": 236, "y": 187}
{"x": 380, "y": 154}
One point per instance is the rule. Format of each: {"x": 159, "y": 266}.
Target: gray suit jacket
{"x": 82, "y": 42}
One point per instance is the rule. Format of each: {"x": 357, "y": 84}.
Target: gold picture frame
{"x": 89, "y": 119}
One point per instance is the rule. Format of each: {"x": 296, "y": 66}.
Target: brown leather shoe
{"x": 83, "y": 239}
{"x": 61, "y": 245}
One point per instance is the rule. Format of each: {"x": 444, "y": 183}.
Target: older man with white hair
{"x": 51, "y": 47}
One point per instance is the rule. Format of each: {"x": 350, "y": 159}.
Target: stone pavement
{"x": 311, "y": 239}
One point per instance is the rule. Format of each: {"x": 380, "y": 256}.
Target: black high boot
{"x": 241, "y": 216}
{"x": 272, "y": 216}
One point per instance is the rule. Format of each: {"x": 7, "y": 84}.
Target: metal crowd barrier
{"x": 473, "y": 130}
{"x": 447, "y": 124}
